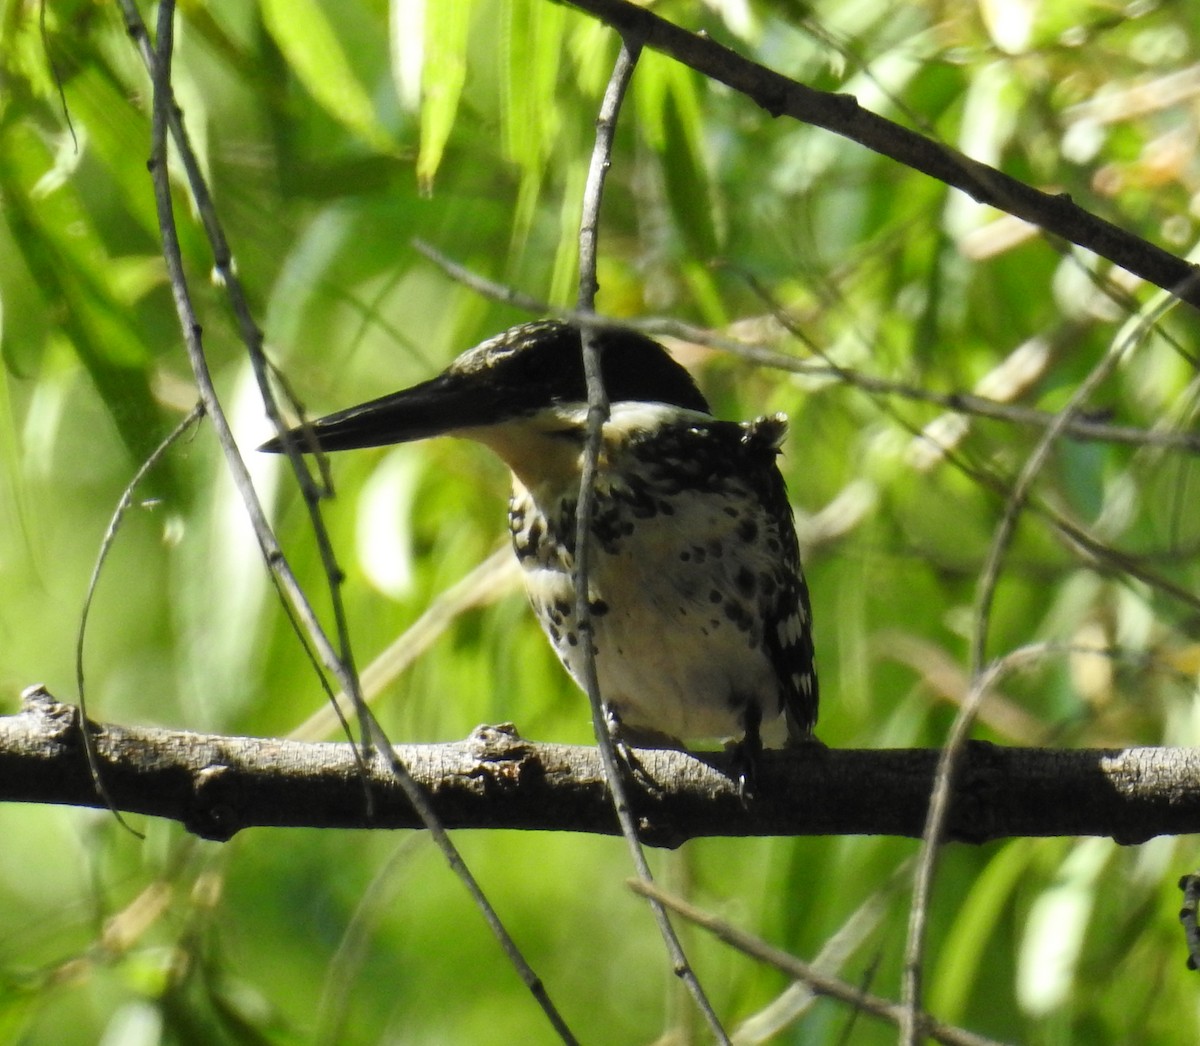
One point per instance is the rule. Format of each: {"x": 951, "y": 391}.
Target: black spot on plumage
{"x": 528, "y": 543}
{"x": 745, "y": 581}
{"x": 739, "y": 614}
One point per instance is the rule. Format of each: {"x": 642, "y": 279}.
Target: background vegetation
{"x": 336, "y": 133}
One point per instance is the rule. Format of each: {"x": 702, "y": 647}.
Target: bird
{"x": 700, "y": 618}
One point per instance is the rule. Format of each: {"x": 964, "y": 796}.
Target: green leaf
{"x": 671, "y": 116}
{"x": 442, "y": 79}
{"x": 964, "y": 953}
{"x": 66, "y": 259}
{"x": 312, "y": 48}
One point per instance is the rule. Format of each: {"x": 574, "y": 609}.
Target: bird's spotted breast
{"x": 696, "y": 571}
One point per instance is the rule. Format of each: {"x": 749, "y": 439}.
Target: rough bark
{"x": 217, "y": 785}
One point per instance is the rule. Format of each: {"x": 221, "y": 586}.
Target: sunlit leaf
{"x": 443, "y": 75}
{"x": 306, "y": 37}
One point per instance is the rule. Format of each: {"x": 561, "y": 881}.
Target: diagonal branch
{"x": 780, "y": 96}
{"x": 808, "y": 973}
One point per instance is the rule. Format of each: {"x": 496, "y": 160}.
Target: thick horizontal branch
{"x": 218, "y": 785}
{"x": 841, "y": 113}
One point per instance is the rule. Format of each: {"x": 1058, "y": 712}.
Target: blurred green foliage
{"x": 336, "y": 133}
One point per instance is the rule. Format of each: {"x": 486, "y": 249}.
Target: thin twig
{"x": 123, "y": 505}
{"x": 596, "y": 416}
{"x": 1077, "y": 427}
{"x": 820, "y": 982}
{"x": 497, "y": 292}
{"x": 981, "y": 676}
{"x": 167, "y": 120}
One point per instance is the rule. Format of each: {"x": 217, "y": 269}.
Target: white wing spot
{"x": 790, "y": 629}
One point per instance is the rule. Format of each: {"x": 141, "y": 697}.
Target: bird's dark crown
{"x": 526, "y": 369}
{"x": 541, "y": 364}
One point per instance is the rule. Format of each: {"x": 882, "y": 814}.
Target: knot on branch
{"x": 59, "y": 721}
{"x": 504, "y": 761}
{"x": 213, "y": 811}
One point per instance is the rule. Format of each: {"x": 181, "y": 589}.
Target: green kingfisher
{"x": 700, "y": 615}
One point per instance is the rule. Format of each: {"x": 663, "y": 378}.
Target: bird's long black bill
{"x": 433, "y": 408}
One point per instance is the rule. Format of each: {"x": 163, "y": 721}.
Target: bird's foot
{"x": 745, "y": 763}
{"x": 747, "y": 755}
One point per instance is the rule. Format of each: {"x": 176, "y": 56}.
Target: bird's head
{"x": 521, "y": 393}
